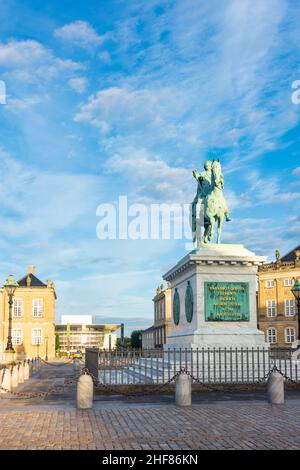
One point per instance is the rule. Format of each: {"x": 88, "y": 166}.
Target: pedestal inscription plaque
{"x": 226, "y": 301}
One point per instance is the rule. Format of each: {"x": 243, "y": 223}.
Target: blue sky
{"x": 106, "y": 98}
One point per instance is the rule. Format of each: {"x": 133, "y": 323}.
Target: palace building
{"x": 156, "y": 335}
{"x": 33, "y": 318}
{"x": 277, "y": 315}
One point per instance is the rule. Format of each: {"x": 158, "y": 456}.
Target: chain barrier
{"x": 209, "y": 386}
{"x": 100, "y": 385}
{"x": 56, "y": 364}
{"x": 286, "y": 377}
{"x": 28, "y": 395}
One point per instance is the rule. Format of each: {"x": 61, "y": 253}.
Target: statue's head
{"x": 208, "y": 165}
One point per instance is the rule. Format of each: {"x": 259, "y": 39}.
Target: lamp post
{"x": 10, "y": 286}
{"x": 296, "y": 292}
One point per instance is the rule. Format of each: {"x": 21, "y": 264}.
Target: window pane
{"x": 38, "y": 305}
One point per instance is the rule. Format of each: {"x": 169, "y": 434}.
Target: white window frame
{"x": 35, "y": 337}
{"x": 18, "y": 310}
{"x": 290, "y": 333}
{"x": 288, "y": 282}
{"x": 269, "y": 283}
{"x": 17, "y": 339}
{"x": 271, "y": 309}
{"x": 271, "y": 335}
{"x": 289, "y": 307}
{"x": 38, "y": 308}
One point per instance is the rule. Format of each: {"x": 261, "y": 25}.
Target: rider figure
{"x": 203, "y": 189}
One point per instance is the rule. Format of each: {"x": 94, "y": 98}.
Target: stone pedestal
{"x": 214, "y": 291}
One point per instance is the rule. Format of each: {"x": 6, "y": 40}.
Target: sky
{"x": 111, "y": 97}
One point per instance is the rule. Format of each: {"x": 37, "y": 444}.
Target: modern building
{"x": 33, "y": 317}
{"x": 277, "y": 315}
{"x": 77, "y": 333}
{"x": 155, "y": 336}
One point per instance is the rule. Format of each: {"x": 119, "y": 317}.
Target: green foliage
{"x": 127, "y": 343}
{"x": 57, "y": 343}
{"x": 136, "y": 341}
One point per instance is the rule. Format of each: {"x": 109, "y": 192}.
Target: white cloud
{"x": 31, "y": 62}
{"x": 20, "y": 104}
{"x": 105, "y": 57}
{"x": 41, "y": 202}
{"x": 79, "y": 34}
{"x": 148, "y": 114}
{"x": 152, "y": 178}
{"x": 296, "y": 171}
{"x": 21, "y": 53}
{"x": 78, "y": 84}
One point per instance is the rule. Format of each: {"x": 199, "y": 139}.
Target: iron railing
{"x": 208, "y": 365}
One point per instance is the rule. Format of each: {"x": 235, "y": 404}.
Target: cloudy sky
{"x": 115, "y": 97}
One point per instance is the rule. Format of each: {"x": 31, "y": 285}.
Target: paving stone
{"x": 55, "y": 423}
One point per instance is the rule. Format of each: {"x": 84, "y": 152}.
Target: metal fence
{"x": 215, "y": 365}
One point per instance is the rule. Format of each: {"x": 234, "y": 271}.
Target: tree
{"x": 127, "y": 342}
{"x": 57, "y": 343}
{"x": 136, "y": 341}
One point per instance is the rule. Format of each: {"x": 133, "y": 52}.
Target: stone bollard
{"x": 15, "y": 376}
{"x": 85, "y": 392}
{"x": 183, "y": 391}
{"x": 276, "y": 389}
{"x": 1, "y": 374}
{"x": 6, "y": 380}
{"x": 26, "y": 370}
{"x": 30, "y": 368}
{"x": 21, "y": 373}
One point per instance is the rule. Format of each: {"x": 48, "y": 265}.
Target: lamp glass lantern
{"x": 10, "y": 285}
{"x": 296, "y": 291}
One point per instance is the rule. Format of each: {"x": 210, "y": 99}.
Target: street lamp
{"x": 296, "y": 292}
{"x": 10, "y": 286}
{"x": 46, "y": 348}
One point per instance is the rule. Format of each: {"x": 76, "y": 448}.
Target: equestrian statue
{"x": 209, "y": 203}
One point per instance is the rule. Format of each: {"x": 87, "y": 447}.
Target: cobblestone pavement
{"x": 56, "y": 424}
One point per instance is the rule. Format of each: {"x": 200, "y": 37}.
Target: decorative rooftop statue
{"x": 211, "y": 200}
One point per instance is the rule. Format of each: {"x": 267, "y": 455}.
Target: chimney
{"x": 31, "y": 269}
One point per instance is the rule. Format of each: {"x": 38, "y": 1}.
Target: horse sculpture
{"x": 215, "y": 206}
{"x": 209, "y": 202}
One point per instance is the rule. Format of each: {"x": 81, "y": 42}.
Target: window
{"x": 270, "y": 283}
{"x": 37, "y": 307}
{"x": 271, "y": 335}
{"x": 17, "y": 336}
{"x": 289, "y": 335}
{"x": 289, "y": 307}
{"x": 18, "y": 307}
{"x": 271, "y": 308}
{"x": 36, "y": 336}
{"x": 288, "y": 282}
